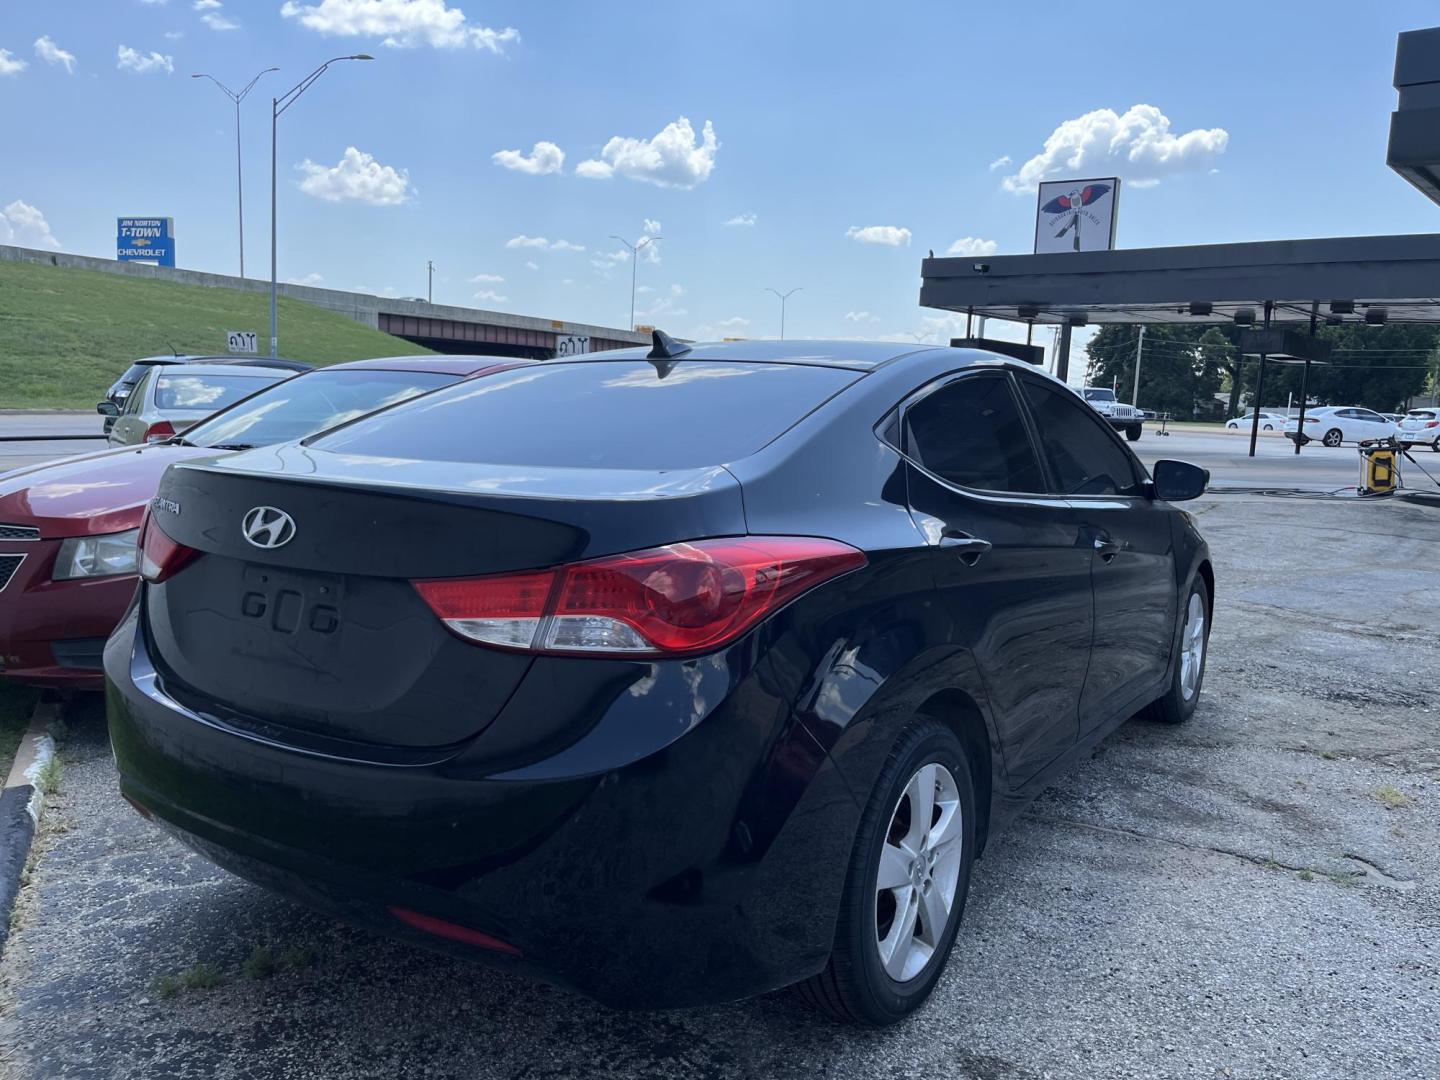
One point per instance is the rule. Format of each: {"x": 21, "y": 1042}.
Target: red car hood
{"x": 90, "y": 494}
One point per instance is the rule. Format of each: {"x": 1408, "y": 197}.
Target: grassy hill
{"x": 66, "y": 334}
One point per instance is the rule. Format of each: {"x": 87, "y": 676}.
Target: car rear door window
{"x": 206, "y": 393}
{"x": 617, "y": 414}
{"x": 1085, "y": 457}
{"x": 970, "y": 433}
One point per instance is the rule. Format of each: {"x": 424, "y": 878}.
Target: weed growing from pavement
{"x": 50, "y": 775}
{"x": 265, "y": 961}
{"x": 199, "y": 977}
{"x": 1393, "y": 797}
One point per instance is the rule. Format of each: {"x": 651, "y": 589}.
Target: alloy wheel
{"x": 1333, "y": 437}
{"x": 1192, "y": 647}
{"x": 919, "y": 872}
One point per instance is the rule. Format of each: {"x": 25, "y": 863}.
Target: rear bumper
{"x": 51, "y": 632}
{"x": 703, "y": 868}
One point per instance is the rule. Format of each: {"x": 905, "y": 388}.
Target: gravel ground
{"x": 1254, "y": 895}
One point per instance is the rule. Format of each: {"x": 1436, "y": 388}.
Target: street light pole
{"x": 783, "y": 298}
{"x": 277, "y": 108}
{"x": 634, "y": 250}
{"x": 237, "y": 98}
{"x": 430, "y": 281}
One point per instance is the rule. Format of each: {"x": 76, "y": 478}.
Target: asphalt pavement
{"x": 17, "y": 455}
{"x": 1254, "y": 895}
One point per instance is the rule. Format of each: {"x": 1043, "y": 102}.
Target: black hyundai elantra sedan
{"x": 673, "y": 677}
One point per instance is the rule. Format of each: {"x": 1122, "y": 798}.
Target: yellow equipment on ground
{"x": 1379, "y": 468}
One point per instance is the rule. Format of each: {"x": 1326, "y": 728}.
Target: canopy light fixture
{"x": 1201, "y": 307}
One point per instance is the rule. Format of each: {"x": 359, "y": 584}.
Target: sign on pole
{"x": 148, "y": 240}
{"x": 572, "y": 345}
{"x": 1076, "y": 215}
{"x": 240, "y": 341}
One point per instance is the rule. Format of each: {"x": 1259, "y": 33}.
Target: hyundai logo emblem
{"x": 267, "y": 527}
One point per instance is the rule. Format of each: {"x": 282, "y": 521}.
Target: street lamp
{"x": 783, "y": 298}
{"x": 239, "y": 185}
{"x": 635, "y": 250}
{"x": 277, "y": 107}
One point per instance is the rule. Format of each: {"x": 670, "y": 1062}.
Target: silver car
{"x": 171, "y": 397}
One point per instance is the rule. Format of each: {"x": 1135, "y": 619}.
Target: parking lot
{"x": 1251, "y": 895}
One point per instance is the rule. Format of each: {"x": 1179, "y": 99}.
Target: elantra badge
{"x": 267, "y": 527}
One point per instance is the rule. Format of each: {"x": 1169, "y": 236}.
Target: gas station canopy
{"x": 1361, "y": 279}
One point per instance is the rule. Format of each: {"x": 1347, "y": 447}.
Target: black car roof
{"x": 854, "y": 355}
{"x": 438, "y": 363}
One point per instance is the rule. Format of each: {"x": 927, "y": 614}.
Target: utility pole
{"x": 237, "y": 97}
{"x": 430, "y": 282}
{"x": 277, "y": 108}
{"x": 635, "y": 250}
{"x": 1139, "y": 345}
{"x": 783, "y": 297}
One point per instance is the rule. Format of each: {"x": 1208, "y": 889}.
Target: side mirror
{"x": 1177, "y": 481}
{"x": 108, "y": 408}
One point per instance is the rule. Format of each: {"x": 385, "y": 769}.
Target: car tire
{"x": 1178, "y": 703}
{"x": 1267, "y": 427}
{"x": 1435, "y": 446}
{"x": 1133, "y": 432}
{"x": 856, "y": 986}
{"x": 1334, "y": 437}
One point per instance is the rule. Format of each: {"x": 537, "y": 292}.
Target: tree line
{"x": 1183, "y": 367}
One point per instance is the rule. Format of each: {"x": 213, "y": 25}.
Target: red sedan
{"x": 68, "y": 529}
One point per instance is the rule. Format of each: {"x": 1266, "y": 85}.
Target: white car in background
{"x": 1336, "y": 424}
{"x": 1420, "y": 427}
{"x": 171, "y": 397}
{"x": 1269, "y": 421}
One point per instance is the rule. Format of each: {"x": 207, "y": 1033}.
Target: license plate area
{"x": 299, "y": 612}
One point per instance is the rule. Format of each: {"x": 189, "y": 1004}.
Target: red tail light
{"x": 1432, "y": 423}
{"x": 160, "y": 556}
{"x": 666, "y": 601}
{"x": 161, "y": 429}
{"x": 453, "y": 931}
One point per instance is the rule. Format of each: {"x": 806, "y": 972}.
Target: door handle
{"x": 1106, "y": 547}
{"x": 969, "y": 548}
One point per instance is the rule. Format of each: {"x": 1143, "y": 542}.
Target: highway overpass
{"x": 441, "y": 327}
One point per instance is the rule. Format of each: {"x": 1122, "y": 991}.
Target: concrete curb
{"x": 21, "y": 802}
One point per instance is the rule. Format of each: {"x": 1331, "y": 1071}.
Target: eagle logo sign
{"x": 1071, "y": 208}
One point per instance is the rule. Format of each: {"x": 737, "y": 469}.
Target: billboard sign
{"x": 1076, "y": 215}
{"x": 145, "y": 239}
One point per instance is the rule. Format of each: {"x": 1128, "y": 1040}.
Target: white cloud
{"x": 540, "y": 243}
{"x": 651, "y": 227}
{"x": 10, "y": 64}
{"x": 400, "y": 24}
{"x": 888, "y": 235}
{"x": 972, "y": 245}
{"x": 529, "y": 265}
{"x": 1000, "y": 162}
{"x": 311, "y": 278}
{"x": 861, "y": 316}
{"x": 174, "y": 35}
{"x": 735, "y": 322}
{"x": 673, "y": 158}
{"x": 22, "y": 224}
{"x": 206, "y": 5}
{"x": 486, "y": 279}
{"x": 1137, "y": 145}
{"x": 215, "y": 21}
{"x": 51, "y": 53}
{"x": 358, "y": 177}
{"x": 129, "y": 59}
{"x": 742, "y": 219}
{"x": 491, "y": 295}
{"x": 545, "y": 158}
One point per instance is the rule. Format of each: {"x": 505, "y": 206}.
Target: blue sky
{"x": 836, "y": 127}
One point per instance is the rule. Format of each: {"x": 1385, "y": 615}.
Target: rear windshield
{"x": 599, "y": 414}
{"x": 1422, "y": 414}
{"x": 206, "y": 393}
{"x": 311, "y": 403}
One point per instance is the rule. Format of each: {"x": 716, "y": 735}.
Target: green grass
{"x": 66, "y": 334}
{"x": 16, "y": 703}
